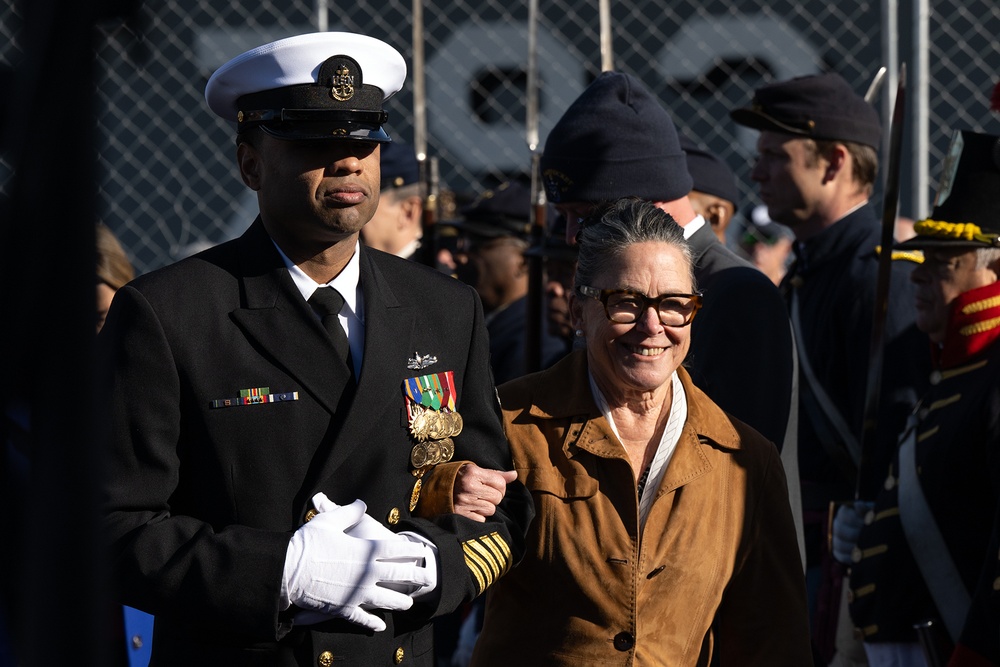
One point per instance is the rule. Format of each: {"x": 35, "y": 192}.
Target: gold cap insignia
{"x": 342, "y": 84}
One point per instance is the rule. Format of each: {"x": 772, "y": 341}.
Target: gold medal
{"x": 433, "y": 453}
{"x": 415, "y": 494}
{"x": 418, "y": 423}
{"x": 436, "y": 425}
{"x": 447, "y": 447}
{"x": 418, "y": 455}
{"x": 456, "y": 424}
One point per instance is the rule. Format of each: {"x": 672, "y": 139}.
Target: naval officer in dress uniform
{"x": 277, "y": 400}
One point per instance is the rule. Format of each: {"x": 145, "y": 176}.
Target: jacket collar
{"x": 552, "y": 401}
{"x": 858, "y": 229}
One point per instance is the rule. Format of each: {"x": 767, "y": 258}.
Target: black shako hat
{"x": 399, "y": 165}
{"x": 821, "y": 106}
{"x": 326, "y": 85}
{"x": 709, "y": 173}
{"x": 615, "y": 140}
{"x": 967, "y": 206}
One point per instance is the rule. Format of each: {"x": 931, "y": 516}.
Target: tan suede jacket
{"x": 716, "y": 569}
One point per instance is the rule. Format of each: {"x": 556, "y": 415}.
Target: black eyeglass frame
{"x": 654, "y": 302}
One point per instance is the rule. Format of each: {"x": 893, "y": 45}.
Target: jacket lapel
{"x": 281, "y": 323}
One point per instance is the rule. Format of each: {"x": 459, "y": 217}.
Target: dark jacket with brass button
{"x": 714, "y": 572}
{"x": 202, "y": 501}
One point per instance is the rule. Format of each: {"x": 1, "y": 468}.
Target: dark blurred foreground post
{"x": 53, "y": 588}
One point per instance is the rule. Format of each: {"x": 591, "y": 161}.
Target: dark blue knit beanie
{"x": 614, "y": 141}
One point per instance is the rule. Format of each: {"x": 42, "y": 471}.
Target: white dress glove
{"x": 329, "y": 571}
{"x": 847, "y": 525}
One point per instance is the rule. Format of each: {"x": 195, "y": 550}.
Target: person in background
{"x": 396, "y": 227}
{"x": 113, "y": 270}
{"x": 275, "y": 401}
{"x": 493, "y": 237}
{"x": 767, "y": 244}
{"x": 714, "y": 194}
{"x": 815, "y": 169}
{"x": 922, "y": 551}
{"x": 559, "y": 261}
{"x": 663, "y": 532}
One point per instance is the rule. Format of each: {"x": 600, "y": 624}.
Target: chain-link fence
{"x": 169, "y": 183}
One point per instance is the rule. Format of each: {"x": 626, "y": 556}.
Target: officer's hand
{"x": 330, "y": 572}
{"x": 478, "y": 491}
{"x": 847, "y": 525}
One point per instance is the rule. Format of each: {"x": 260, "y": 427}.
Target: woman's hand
{"x": 478, "y": 491}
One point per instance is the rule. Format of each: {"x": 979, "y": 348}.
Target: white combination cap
{"x": 324, "y": 85}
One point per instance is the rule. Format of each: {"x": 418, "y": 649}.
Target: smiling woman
{"x": 663, "y": 533}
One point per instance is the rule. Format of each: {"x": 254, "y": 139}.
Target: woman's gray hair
{"x": 615, "y": 226}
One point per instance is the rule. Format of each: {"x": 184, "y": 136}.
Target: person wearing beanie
{"x": 931, "y": 550}
{"x": 714, "y": 194}
{"x": 277, "y": 401}
{"x": 815, "y": 169}
{"x": 616, "y": 140}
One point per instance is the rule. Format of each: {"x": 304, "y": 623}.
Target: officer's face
{"x": 790, "y": 178}
{"x": 943, "y": 276}
{"x": 312, "y": 193}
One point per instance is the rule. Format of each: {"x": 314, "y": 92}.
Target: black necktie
{"x": 327, "y": 302}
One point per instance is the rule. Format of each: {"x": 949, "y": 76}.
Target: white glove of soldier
{"x": 327, "y": 570}
{"x": 847, "y": 525}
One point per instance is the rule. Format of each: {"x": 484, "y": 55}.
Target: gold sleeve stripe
{"x": 488, "y": 557}
{"x": 874, "y": 551}
{"x": 947, "y": 375}
{"x": 864, "y": 590}
{"x": 926, "y": 434}
{"x": 884, "y": 514}
{"x": 944, "y": 402}
{"x": 499, "y": 543}
{"x": 478, "y": 574}
{"x": 483, "y": 573}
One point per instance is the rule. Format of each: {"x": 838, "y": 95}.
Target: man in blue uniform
{"x": 815, "y": 170}
{"x": 924, "y": 548}
{"x": 276, "y": 401}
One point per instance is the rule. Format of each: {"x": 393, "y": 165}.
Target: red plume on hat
{"x": 995, "y": 101}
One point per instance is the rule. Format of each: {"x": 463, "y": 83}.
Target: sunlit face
{"x": 636, "y": 358}
{"x": 312, "y": 192}
{"x": 940, "y": 279}
{"x": 789, "y": 177}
